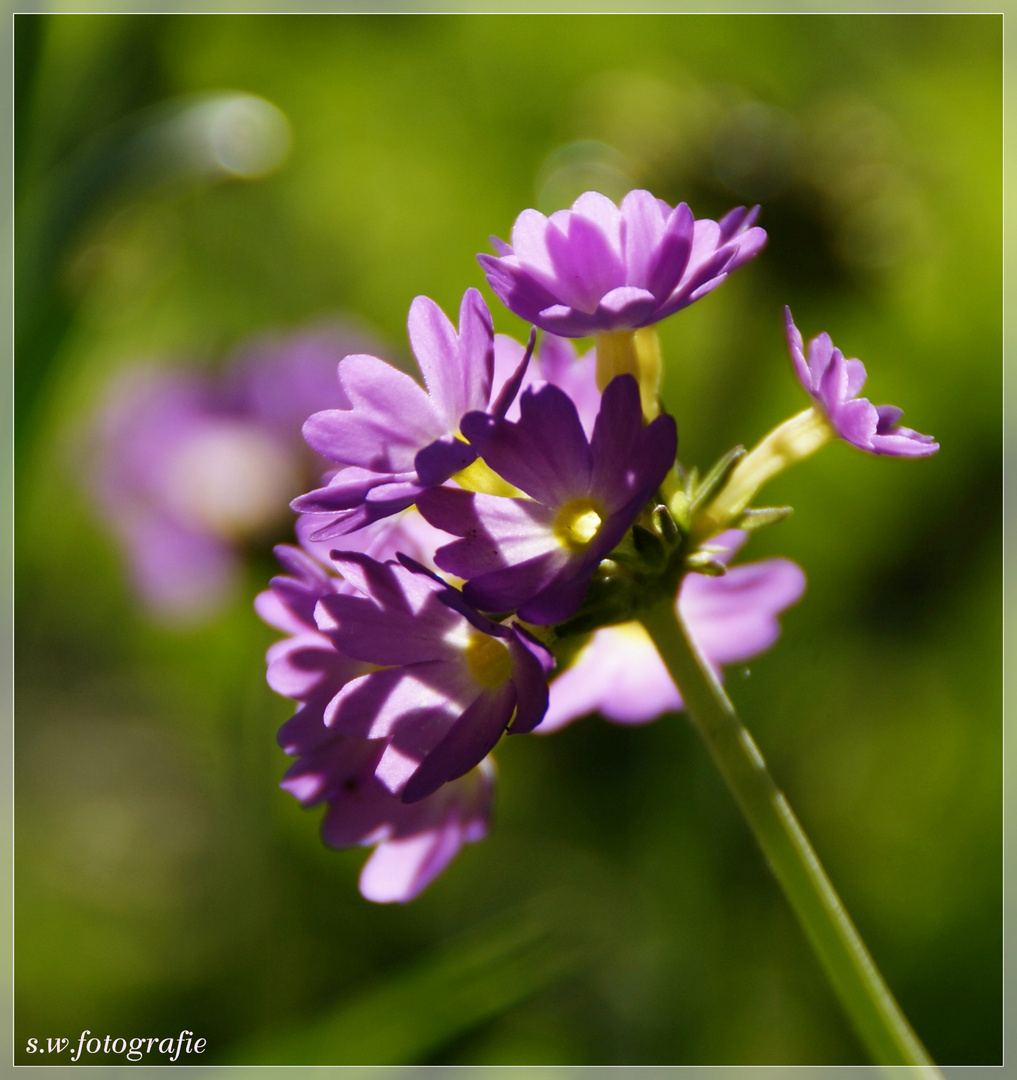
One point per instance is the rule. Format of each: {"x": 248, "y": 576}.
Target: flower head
{"x": 834, "y": 383}
{"x": 732, "y": 618}
{"x": 599, "y": 267}
{"x": 449, "y": 681}
{"x": 414, "y": 843}
{"x": 397, "y": 439}
{"x": 538, "y": 554}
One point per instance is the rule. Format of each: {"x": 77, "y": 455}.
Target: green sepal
{"x": 751, "y": 520}
{"x": 649, "y": 548}
{"x": 716, "y": 477}
{"x": 703, "y": 562}
{"x": 665, "y": 527}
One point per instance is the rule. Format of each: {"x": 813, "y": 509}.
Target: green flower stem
{"x": 871, "y": 1008}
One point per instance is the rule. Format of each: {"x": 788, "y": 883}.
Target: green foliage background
{"x": 619, "y": 912}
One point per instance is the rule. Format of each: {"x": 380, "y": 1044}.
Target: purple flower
{"x": 187, "y": 466}
{"x": 397, "y": 439}
{"x": 450, "y": 683}
{"x": 415, "y": 843}
{"x": 598, "y": 267}
{"x": 732, "y": 618}
{"x": 181, "y": 481}
{"x": 537, "y": 555}
{"x": 834, "y": 383}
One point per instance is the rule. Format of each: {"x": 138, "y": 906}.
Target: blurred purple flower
{"x": 188, "y": 467}
{"x": 397, "y": 439}
{"x": 448, "y": 683}
{"x": 538, "y": 555}
{"x": 414, "y": 842}
{"x": 731, "y": 618}
{"x": 834, "y": 383}
{"x": 598, "y": 267}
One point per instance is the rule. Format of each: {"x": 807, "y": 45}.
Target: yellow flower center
{"x": 577, "y": 523}
{"x": 489, "y": 659}
{"x": 482, "y": 478}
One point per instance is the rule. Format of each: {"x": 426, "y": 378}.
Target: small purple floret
{"x": 599, "y": 267}
{"x": 834, "y": 383}
{"x": 537, "y": 555}
{"x": 397, "y": 439}
{"x": 414, "y": 842}
{"x": 450, "y": 683}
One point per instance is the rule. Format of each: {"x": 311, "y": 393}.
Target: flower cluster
{"x": 515, "y": 514}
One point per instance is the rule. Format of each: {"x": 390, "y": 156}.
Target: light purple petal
{"x": 399, "y": 870}
{"x": 624, "y": 307}
{"x": 643, "y": 232}
{"x": 899, "y": 441}
{"x": 796, "y": 347}
{"x": 457, "y": 370}
{"x": 421, "y": 697}
{"x": 617, "y": 673}
{"x": 734, "y": 617}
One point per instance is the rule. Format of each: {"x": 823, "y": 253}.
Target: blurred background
{"x": 210, "y": 211}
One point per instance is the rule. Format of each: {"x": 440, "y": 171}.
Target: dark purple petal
{"x": 398, "y": 619}
{"x": 468, "y": 741}
{"x": 544, "y": 454}
{"x": 737, "y": 221}
{"x": 562, "y": 598}
{"x": 497, "y": 533}
{"x": 629, "y": 460}
{"x": 510, "y": 588}
{"x": 306, "y": 728}
{"x": 454, "y": 599}
{"x": 507, "y": 394}
{"x": 516, "y": 288}
{"x": 341, "y": 769}
{"x": 442, "y": 459}
{"x": 530, "y": 677}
